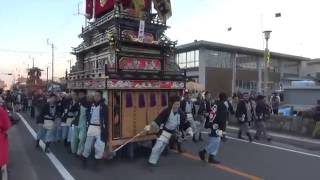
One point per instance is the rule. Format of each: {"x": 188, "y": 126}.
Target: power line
{"x": 29, "y": 52}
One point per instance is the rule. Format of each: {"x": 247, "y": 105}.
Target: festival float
{"x": 34, "y": 81}
{"x": 126, "y": 54}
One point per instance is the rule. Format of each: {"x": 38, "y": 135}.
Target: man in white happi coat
{"x": 170, "y": 121}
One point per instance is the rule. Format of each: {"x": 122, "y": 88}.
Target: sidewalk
{"x": 282, "y": 136}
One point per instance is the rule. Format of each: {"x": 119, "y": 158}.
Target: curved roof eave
{"x": 237, "y": 49}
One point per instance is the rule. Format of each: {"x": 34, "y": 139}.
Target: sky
{"x": 26, "y": 26}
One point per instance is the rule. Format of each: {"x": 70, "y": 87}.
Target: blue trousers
{"x": 45, "y": 135}
{"x": 64, "y": 133}
{"x": 213, "y": 145}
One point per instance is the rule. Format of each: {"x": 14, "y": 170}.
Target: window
{"x": 190, "y": 64}
{"x": 153, "y": 101}
{"x": 142, "y": 102}
{"x": 188, "y": 59}
{"x": 196, "y": 55}
{"x": 190, "y": 56}
{"x": 182, "y": 65}
{"x": 196, "y": 64}
{"x": 177, "y": 58}
{"x": 246, "y": 62}
{"x": 128, "y": 100}
{"x": 164, "y": 100}
{"x": 182, "y": 60}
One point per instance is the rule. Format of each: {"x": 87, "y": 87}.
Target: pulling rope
{"x": 127, "y": 142}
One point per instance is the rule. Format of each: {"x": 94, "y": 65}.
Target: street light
{"x": 267, "y": 35}
{"x": 266, "y": 61}
{"x": 52, "y": 62}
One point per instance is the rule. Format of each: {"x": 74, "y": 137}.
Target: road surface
{"x": 240, "y": 159}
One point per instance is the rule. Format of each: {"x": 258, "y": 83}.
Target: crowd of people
{"x": 206, "y": 113}
{"x": 79, "y": 120}
{"x": 76, "y": 119}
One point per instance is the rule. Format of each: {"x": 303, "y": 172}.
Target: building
{"x": 312, "y": 69}
{"x": 221, "y": 67}
{"x": 307, "y": 95}
{"x": 22, "y": 80}
{"x": 2, "y": 84}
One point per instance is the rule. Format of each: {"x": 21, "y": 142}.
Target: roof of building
{"x": 314, "y": 61}
{"x": 238, "y": 49}
{"x": 302, "y": 88}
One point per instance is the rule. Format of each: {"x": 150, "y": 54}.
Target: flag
{"x": 89, "y": 8}
{"x": 140, "y": 7}
{"x": 268, "y": 56}
{"x": 163, "y": 8}
{"x": 103, "y": 6}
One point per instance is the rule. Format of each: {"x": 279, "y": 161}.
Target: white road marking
{"x": 62, "y": 170}
{"x": 277, "y": 147}
{"x": 301, "y": 139}
{"x": 272, "y": 146}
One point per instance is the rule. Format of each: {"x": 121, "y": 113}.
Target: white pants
{"x": 195, "y": 125}
{"x": 157, "y": 151}
{"x": 4, "y": 172}
{"x": 158, "y": 148}
{"x": 99, "y": 147}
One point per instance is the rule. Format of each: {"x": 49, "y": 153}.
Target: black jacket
{"x": 262, "y": 111}
{"x": 220, "y": 120}
{"x": 205, "y": 107}
{"x": 242, "y": 109}
{"x": 163, "y": 117}
{"x": 71, "y": 108}
{"x": 184, "y": 105}
{"x": 45, "y": 114}
{"x": 103, "y": 120}
{"x": 39, "y": 101}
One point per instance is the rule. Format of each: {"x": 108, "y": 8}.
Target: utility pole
{"x": 234, "y": 72}
{"x": 266, "y": 59}
{"x": 83, "y": 14}
{"x": 52, "y": 61}
{"x": 32, "y": 58}
{"x": 70, "y": 62}
{"x": 47, "y": 74}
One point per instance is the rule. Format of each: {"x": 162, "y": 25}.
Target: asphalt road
{"x": 240, "y": 160}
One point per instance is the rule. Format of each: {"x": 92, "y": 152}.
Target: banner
{"x": 127, "y": 63}
{"x": 136, "y": 7}
{"x": 89, "y": 8}
{"x": 163, "y": 8}
{"x": 144, "y": 84}
{"x": 103, "y": 6}
{"x": 141, "y": 31}
{"x": 133, "y": 36}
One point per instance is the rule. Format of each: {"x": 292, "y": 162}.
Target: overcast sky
{"x": 27, "y": 24}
